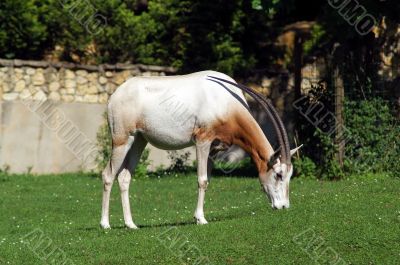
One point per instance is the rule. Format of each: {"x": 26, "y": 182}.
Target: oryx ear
{"x": 293, "y": 151}
{"x": 273, "y": 159}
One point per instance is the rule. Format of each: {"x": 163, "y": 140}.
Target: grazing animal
{"x": 143, "y": 110}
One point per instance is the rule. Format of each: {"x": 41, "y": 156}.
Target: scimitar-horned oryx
{"x": 219, "y": 114}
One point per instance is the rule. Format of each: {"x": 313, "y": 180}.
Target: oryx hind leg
{"x": 120, "y": 148}
{"x": 124, "y": 177}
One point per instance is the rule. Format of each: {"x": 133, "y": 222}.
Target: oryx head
{"x": 276, "y": 181}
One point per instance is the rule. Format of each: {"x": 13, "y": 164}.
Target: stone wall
{"x": 67, "y": 82}
{"x": 50, "y": 113}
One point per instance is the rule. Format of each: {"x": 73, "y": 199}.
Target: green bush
{"x": 372, "y": 137}
{"x": 317, "y": 136}
{"x": 304, "y": 167}
{"x": 104, "y": 144}
{"x": 22, "y": 34}
{"x": 141, "y": 170}
{"x": 179, "y": 162}
{"x": 329, "y": 167}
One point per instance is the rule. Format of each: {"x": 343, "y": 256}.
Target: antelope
{"x": 219, "y": 118}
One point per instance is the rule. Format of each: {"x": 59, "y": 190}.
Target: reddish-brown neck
{"x": 251, "y": 138}
{"x": 242, "y": 129}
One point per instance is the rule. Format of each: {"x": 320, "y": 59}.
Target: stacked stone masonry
{"x": 67, "y": 82}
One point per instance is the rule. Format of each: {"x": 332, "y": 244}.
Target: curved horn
{"x": 283, "y": 131}
{"x": 273, "y": 116}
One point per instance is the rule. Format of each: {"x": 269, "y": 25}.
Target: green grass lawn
{"x": 347, "y": 222}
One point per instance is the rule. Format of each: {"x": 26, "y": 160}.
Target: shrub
{"x": 104, "y": 151}
{"x": 304, "y": 167}
{"x": 22, "y": 35}
{"x": 5, "y": 169}
{"x": 103, "y": 144}
{"x": 329, "y": 167}
{"x": 179, "y": 162}
{"x": 318, "y": 139}
{"x": 373, "y": 137}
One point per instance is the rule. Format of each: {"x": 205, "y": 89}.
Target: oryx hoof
{"x": 201, "y": 221}
{"x": 105, "y": 225}
{"x": 131, "y": 225}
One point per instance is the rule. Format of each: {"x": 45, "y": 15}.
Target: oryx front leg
{"x": 124, "y": 179}
{"x": 202, "y": 152}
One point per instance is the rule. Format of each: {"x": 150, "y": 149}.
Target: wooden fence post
{"x": 298, "y": 64}
{"x": 339, "y": 109}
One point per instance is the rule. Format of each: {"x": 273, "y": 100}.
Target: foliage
{"x": 4, "y": 173}
{"x": 68, "y": 37}
{"x": 5, "y": 169}
{"x": 231, "y": 38}
{"x": 141, "y": 169}
{"x": 304, "y": 167}
{"x": 142, "y": 38}
{"x": 22, "y": 35}
{"x": 318, "y": 135}
{"x": 104, "y": 143}
{"x": 372, "y": 137}
{"x": 179, "y": 162}
{"x": 234, "y": 37}
{"x": 314, "y": 42}
{"x": 329, "y": 167}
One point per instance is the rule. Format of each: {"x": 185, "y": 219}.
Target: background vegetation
{"x": 231, "y": 36}
{"x": 240, "y": 38}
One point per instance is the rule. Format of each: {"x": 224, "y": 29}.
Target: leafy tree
{"x": 155, "y": 36}
{"x": 22, "y": 35}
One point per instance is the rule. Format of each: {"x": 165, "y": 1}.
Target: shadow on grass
{"x": 144, "y": 226}
{"x": 215, "y": 219}
{"x": 183, "y": 223}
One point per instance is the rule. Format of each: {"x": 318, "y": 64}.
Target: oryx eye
{"x": 278, "y": 176}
